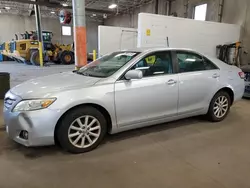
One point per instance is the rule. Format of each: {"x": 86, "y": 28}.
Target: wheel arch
{"x": 96, "y": 106}
{"x": 229, "y": 91}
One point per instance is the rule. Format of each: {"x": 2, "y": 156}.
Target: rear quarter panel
{"x": 230, "y": 78}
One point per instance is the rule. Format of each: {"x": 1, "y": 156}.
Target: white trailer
{"x": 112, "y": 39}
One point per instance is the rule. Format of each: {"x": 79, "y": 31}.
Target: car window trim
{"x": 122, "y": 77}
{"x": 191, "y": 52}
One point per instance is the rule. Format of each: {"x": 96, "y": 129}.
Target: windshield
{"x": 107, "y": 65}
{"x": 47, "y": 36}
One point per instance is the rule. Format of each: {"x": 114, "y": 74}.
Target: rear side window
{"x": 208, "y": 64}
{"x": 191, "y": 62}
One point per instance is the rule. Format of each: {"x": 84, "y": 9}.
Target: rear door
{"x": 198, "y": 81}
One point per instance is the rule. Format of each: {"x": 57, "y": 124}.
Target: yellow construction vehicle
{"x": 25, "y": 50}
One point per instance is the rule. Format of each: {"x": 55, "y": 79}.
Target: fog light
{"x": 24, "y": 135}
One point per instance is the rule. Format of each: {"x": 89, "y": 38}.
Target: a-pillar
{"x": 80, "y": 36}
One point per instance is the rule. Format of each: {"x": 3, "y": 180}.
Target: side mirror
{"x": 134, "y": 74}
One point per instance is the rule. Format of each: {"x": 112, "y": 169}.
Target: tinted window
{"x": 190, "y": 62}
{"x": 155, "y": 64}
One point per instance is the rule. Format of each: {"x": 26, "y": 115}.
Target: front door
{"x": 154, "y": 97}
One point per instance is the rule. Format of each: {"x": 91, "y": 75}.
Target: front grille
{"x": 8, "y": 102}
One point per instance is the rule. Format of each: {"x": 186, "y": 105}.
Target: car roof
{"x": 219, "y": 63}
{"x": 153, "y": 49}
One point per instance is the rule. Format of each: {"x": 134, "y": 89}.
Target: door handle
{"x": 171, "y": 82}
{"x": 216, "y": 75}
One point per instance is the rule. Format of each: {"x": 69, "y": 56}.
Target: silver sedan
{"x": 118, "y": 92}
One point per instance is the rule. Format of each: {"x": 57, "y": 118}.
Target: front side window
{"x": 107, "y": 65}
{"x": 190, "y": 62}
{"x": 158, "y": 63}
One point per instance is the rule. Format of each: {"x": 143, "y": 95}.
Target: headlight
{"x": 36, "y": 104}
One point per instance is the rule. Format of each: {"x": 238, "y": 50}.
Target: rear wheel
{"x": 67, "y": 57}
{"x": 82, "y": 130}
{"x": 219, "y": 107}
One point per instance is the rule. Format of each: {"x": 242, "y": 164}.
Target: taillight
{"x": 242, "y": 75}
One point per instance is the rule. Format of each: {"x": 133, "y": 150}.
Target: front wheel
{"x": 219, "y": 107}
{"x": 34, "y": 58}
{"x": 82, "y": 130}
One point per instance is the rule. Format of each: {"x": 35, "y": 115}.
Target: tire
{"x": 67, "y": 58}
{"x": 58, "y": 60}
{"x": 70, "y": 126}
{"x": 73, "y": 55}
{"x": 218, "y": 113}
{"x": 34, "y": 58}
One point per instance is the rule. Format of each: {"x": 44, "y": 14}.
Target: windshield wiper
{"x": 97, "y": 76}
{"x": 81, "y": 73}
{"x": 87, "y": 74}
{"x": 77, "y": 72}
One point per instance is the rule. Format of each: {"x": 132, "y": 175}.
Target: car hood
{"x": 44, "y": 86}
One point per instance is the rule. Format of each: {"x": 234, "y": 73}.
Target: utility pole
{"x": 80, "y": 36}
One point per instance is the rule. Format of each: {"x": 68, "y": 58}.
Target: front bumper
{"x": 39, "y": 124}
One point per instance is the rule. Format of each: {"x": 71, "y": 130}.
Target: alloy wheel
{"x": 84, "y": 131}
{"x": 221, "y": 106}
